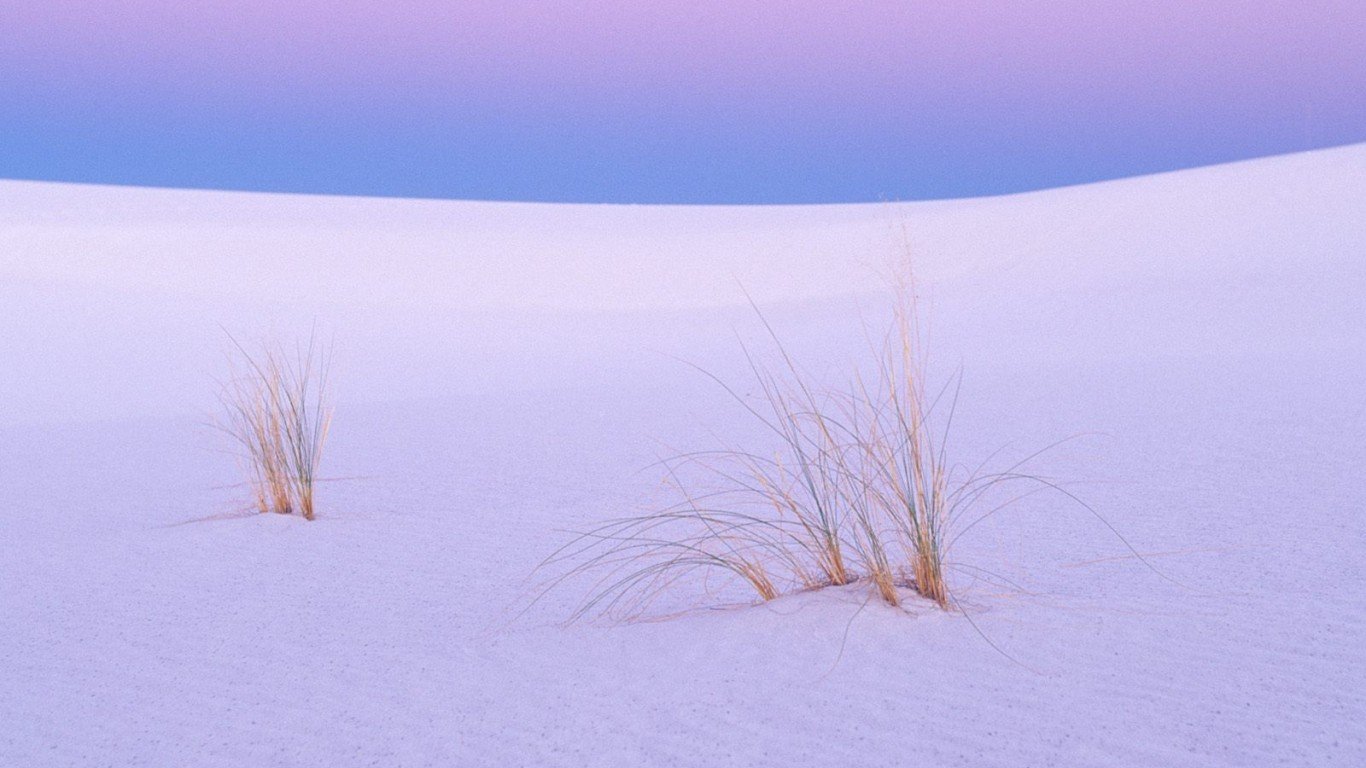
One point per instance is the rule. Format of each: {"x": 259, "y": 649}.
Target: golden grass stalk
{"x": 917, "y": 470}
{"x": 277, "y": 408}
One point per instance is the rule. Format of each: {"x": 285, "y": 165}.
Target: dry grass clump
{"x": 277, "y": 408}
{"x": 858, "y": 490}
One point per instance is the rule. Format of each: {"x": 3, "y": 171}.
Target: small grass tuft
{"x": 276, "y": 405}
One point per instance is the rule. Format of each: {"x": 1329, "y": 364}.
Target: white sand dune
{"x": 507, "y": 371}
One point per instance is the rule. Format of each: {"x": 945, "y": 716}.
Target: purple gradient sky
{"x": 667, "y": 101}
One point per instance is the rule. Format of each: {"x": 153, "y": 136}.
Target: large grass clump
{"x": 858, "y": 490}
{"x": 277, "y": 409}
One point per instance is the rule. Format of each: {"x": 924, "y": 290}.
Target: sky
{"x": 667, "y": 101}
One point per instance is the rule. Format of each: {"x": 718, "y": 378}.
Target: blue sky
{"x": 668, "y": 102}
